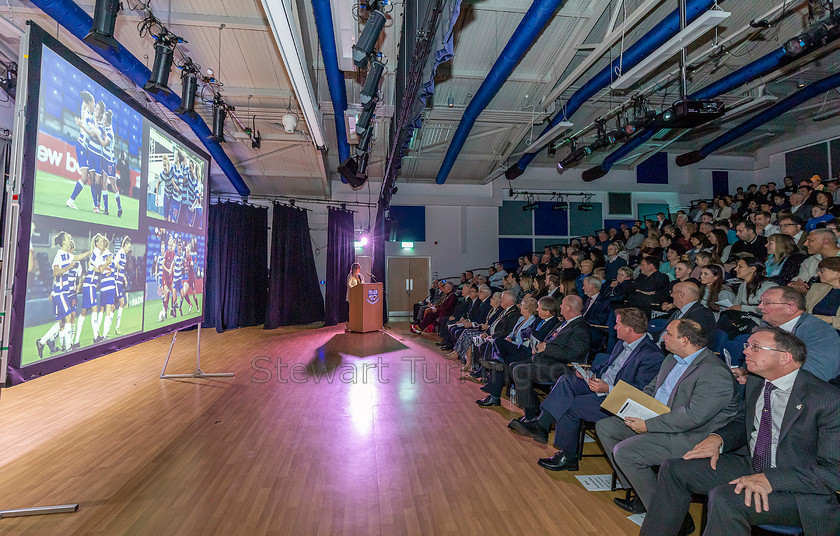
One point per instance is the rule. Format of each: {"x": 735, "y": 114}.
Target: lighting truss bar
{"x": 546, "y": 138}
{"x": 280, "y": 18}
{"x": 692, "y": 32}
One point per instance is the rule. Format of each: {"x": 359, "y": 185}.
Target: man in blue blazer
{"x": 572, "y": 399}
{"x": 776, "y": 463}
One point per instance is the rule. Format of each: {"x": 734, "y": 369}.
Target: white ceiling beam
{"x": 481, "y": 75}
{"x": 280, "y": 174}
{"x": 171, "y": 20}
{"x": 612, "y": 38}
{"x": 472, "y": 137}
{"x": 265, "y": 156}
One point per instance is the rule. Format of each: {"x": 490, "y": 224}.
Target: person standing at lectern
{"x": 354, "y": 278}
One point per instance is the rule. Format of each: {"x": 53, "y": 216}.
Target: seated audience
{"x": 572, "y": 399}
{"x": 748, "y": 243}
{"x": 567, "y": 343}
{"x": 470, "y": 302}
{"x": 596, "y": 307}
{"x": 516, "y": 347}
{"x": 761, "y": 467}
{"x": 464, "y": 344}
{"x": 793, "y": 228}
{"x": 699, "y": 389}
{"x": 438, "y": 313}
{"x": 823, "y": 299}
{"x": 686, "y": 304}
{"x": 819, "y": 214}
{"x": 614, "y": 262}
{"x": 616, "y": 291}
{"x": 715, "y": 288}
{"x": 783, "y": 259}
{"x": 821, "y": 244}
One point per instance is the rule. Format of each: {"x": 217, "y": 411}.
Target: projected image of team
{"x": 175, "y": 182}
{"x": 89, "y": 145}
{"x": 85, "y": 287}
{"x": 174, "y": 277}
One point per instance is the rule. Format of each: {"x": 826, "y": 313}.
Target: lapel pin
{"x": 799, "y": 406}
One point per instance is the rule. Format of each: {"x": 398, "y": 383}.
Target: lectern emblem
{"x": 373, "y": 295}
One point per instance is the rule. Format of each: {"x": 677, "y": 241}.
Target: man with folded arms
{"x": 572, "y": 399}
{"x": 776, "y": 463}
{"x": 700, "y": 391}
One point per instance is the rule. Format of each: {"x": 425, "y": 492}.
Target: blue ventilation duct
{"x": 784, "y": 105}
{"x": 75, "y": 20}
{"x": 529, "y": 29}
{"x": 747, "y": 73}
{"x": 648, "y": 43}
{"x": 335, "y": 78}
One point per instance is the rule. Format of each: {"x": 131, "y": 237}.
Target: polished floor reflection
{"x": 320, "y": 432}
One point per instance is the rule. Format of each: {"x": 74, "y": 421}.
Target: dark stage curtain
{"x": 378, "y": 237}
{"x": 340, "y": 256}
{"x": 294, "y": 292}
{"x": 237, "y": 266}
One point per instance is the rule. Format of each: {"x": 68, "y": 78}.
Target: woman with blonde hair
{"x": 783, "y": 260}
{"x": 354, "y": 277}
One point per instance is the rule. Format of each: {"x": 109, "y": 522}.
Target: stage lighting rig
{"x": 189, "y": 86}
{"x": 363, "y": 48}
{"x": 363, "y": 123}
{"x": 371, "y": 87}
{"x": 256, "y": 138}
{"x": 220, "y": 110}
{"x": 101, "y": 33}
{"x": 8, "y": 82}
{"x": 165, "y": 44}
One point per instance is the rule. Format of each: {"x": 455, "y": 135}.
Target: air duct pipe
{"x": 76, "y": 21}
{"x": 784, "y": 105}
{"x": 529, "y": 29}
{"x": 655, "y": 38}
{"x": 335, "y": 78}
{"x": 747, "y": 73}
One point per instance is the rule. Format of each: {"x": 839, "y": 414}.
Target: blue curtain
{"x": 237, "y": 266}
{"x": 340, "y": 256}
{"x": 294, "y": 292}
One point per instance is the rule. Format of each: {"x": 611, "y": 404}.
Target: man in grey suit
{"x": 699, "y": 389}
{"x": 784, "y": 307}
{"x": 782, "y": 451}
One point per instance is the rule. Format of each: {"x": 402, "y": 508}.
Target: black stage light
{"x": 164, "y": 50}
{"x": 365, "y": 118}
{"x": 101, "y": 33}
{"x": 367, "y": 40}
{"x": 354, "y": 170}
{"x": 189, "y": 85}
{"x": 8, "y": 82}
{"x": 219, "y": 114}
{"x": 371, "y": 87}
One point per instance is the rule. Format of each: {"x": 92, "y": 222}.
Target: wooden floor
{"x": 307, "y": 452}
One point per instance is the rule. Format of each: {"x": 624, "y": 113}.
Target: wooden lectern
{"x": 366, "y": 307}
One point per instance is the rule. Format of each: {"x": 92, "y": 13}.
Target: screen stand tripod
{"x": 198, "y": 372}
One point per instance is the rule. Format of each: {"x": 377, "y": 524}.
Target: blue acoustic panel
{"x": 409, "y": 223}
{"x": 648, "y": 211}
{"x": 585, "y": 222}
{"x": 654, "y": 170}
{"x": 513, "y": 221}
{"x": 511, "y": 248}
{"x": 720, "y": 183}
{"x": 549, "y": 222}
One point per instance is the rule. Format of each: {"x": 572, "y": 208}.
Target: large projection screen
{"x": 111, "y": 223}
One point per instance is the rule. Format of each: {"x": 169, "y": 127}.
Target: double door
{"x": 408, "y": 283}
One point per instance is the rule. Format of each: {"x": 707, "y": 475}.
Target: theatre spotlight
{"x": 529, "y": 207}
{"x": 8, "y": 82}
{"x": 101, "y": 34}
{"x": 560, "y": 205}
{"x": 164, "y": 50}
{"x": 371, "y": 87}
{"x": 219, "y": 114}
{"x": 366, "y": 117}
{"x": 367, "y": 40}
{"x": 189, "y": 85}
{"x": 573, "y": 157}
{"x": 354, "y": 170}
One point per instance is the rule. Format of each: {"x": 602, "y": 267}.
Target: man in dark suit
{"x": 782, "y": 451}
{"x": 686, "y": 296}
{"x": 799, "y": 206}
{"x": 469, "y": 294}
{"x": 662, "y": 221}
{"x": 700, "y": 391}
{"x": 596, "y": 308}
{"x": 568, "y": 343}
{"x": 438, "y": 313}
{"x": 501, "y": 327}
{"x": 508, "y": 351}
{"x": 650, "y": 288}
{"x": 572, "y": 399}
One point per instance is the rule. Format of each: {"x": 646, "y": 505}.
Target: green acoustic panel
{"x": 513, "y": 220}
{"x": 648, "y": 211}
{"x": 585, "y": 222}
